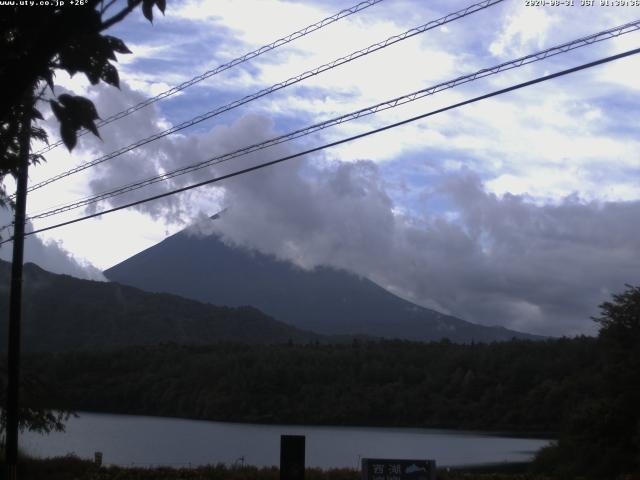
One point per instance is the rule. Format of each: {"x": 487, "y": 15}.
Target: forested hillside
{"x": 65, "y": 313}
{"x": 518, "y": 385}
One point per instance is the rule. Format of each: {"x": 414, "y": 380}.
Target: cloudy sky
{"x": 520, "y": 211}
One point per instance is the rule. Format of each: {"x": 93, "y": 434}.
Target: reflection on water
{"x": 126, "y": 440}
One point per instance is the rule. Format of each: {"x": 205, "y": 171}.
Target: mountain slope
{"x": 323, "y": 300}
{"x": 66, "y": 313}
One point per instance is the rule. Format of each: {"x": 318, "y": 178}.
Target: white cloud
{"x": 48, "y": 254}
{"x": 524, "y": 28}
{"x": 251, "y": 28}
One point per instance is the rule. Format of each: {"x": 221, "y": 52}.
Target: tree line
{"x": 518, "y": 385}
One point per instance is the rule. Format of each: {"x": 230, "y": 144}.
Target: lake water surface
{"x": 146, "y": 441}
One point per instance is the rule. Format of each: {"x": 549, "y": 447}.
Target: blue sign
{"x": 388, "y": 469}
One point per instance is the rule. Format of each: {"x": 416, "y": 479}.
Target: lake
{"x": 151, "y": 441}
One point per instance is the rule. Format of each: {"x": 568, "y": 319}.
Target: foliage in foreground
{"x": 33, "y": 416}
{"x": 601, "y": 438}
{"x": 70, "y": 467}
{"x": 35, "y": 43}
{"x": 73, "y": 468}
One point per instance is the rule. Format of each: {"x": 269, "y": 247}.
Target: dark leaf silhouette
{"x": 147, "y": 9}
{"x": 110, "y": 75}
{"x": 68, "y": 134}
{"x": 73, "y": 113}
{"x": 116, "y": 44}
{"x": 37, "y": 42}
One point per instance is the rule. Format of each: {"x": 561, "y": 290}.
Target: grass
{"x": 74, "y": 468}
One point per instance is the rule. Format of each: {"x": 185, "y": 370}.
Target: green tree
{"x": 35, "y": 42}
{"x": 34, "y": 414}
{"x": 619, "y": 339}
{"x": 602, "y": 437}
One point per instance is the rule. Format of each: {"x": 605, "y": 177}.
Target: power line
{"x": 342, "y": 60}
{"x": 344, "y": 140}
{"x": 225, "y": 66}
{"x": 525, "y": 60}
{"x": 278, "y": 86}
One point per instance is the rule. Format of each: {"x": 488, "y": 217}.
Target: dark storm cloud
{"x": 491, "y": 260}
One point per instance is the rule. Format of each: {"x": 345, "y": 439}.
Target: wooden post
{"x": 15, "y": 301}
{"x": 292, "y": 451}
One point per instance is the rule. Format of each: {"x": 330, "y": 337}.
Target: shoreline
{"x": 499, "y": 432}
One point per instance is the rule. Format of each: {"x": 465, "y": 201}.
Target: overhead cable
{"x": 388, "y": 104}
{"x": 339, "y": 142}
{"x": 278, "y": 86}
{"x": 225, "y": 66}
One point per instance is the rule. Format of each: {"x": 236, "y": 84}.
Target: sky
{"x": 520, "y": 211}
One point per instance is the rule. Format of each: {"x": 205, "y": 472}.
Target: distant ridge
{"x": 323, "y": 300}
{"x": 64, "y": 313}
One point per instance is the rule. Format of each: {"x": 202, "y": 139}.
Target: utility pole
{"x": 15, "y": 302}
